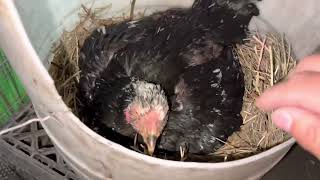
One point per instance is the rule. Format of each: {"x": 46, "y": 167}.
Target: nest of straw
{"x": 265, "y": 61}
{"x": 64, "y": 67}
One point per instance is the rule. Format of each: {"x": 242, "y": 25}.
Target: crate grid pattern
{"x": 30, "y": 150}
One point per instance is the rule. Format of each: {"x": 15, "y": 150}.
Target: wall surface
{"x": 298, "y": 20}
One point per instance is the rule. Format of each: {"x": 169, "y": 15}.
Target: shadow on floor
{"x": 297, "y": 165}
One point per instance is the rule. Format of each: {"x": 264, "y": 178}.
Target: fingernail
{"x": 282, "y": 119}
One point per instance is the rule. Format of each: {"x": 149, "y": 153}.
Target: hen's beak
{"x": 151, "y": 143}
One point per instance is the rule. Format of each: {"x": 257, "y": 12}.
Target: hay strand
{"x": 133, "y": 2}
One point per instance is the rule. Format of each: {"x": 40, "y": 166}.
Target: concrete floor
{"x": 297, "y": 165}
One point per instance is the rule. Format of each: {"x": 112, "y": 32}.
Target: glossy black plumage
{"x": 211, "y": 97}
{"x": 167, "y": 48}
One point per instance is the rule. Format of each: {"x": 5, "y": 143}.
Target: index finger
{"x": 300, "y": 90}
{"x": 311, "y": 63}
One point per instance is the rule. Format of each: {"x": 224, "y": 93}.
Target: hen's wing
{"x": 210, "y": 96}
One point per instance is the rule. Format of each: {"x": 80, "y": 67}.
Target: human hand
{"x": 296, "y": 104}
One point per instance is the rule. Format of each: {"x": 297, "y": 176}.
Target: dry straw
{"x": 265, "y": 61}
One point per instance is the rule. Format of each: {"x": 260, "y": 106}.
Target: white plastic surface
{"x": 298, "y": 20}
{"x": 93, "y": 156}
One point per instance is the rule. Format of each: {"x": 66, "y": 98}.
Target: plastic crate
{"x": 29, "y": 153}
{"x": 7, "y": 170}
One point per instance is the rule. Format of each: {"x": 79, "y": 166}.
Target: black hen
{"x": 206, "y": 107}
{"x": 128, "y": 70}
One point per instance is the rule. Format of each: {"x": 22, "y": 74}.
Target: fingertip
{"x": 282, "y": 119}
{"x": 265, "y": 100}
{"x": 302, "y": 124}
{"x": 259, "y": 102}
{"x": 276, "y": 96}
{"x": 310, "y": 63}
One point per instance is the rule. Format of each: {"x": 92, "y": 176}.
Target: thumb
{"x": 303, "y": 125}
